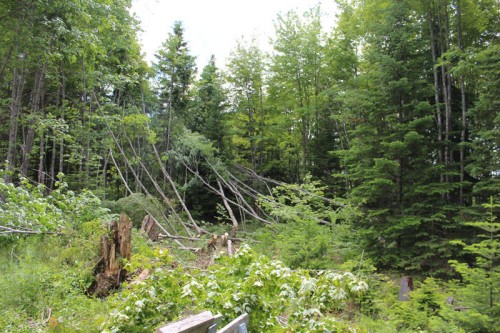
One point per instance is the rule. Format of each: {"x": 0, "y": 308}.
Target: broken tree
{"x": 114, "y": 247}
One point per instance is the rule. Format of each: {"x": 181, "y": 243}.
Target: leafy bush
{"x": 313, "y": 231}
{"x": 277, "y": 298}
{"x": 136, "y": 206}
{"x": 26, "y": 209}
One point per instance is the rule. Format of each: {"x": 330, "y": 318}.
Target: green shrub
{"x": 26, "y": 209}
{"x": 277, "y": 298}
{"x": 136, "y": 206}
{"x": 312, "y": 231}
{"x": 479, "y": 290}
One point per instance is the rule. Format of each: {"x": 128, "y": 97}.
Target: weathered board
{"x": 239, "y": 325}
{"x": 199, "y": 323}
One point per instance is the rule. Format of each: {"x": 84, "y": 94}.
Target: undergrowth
{"x": 44, "y": 279}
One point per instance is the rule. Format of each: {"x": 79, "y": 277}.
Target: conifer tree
{"x": 175, "y": 69}
{"x": 209, "y": 104}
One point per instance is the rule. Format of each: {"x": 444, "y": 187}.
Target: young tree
{"x": 479, "y": 293}
{"x": 248, "y": 114}
{"x": 296, "y": 79}
{"x": 389, "y": 161}
{"x": 175, "y": 69}
{"x": 209, "y": 105}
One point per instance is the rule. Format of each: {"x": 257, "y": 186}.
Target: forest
{"x": 338, "y": 162}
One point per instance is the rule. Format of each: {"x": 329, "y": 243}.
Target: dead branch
{"x": 155, "y": 184}
{"x": 194, "y": 239}
{"x": 272, "y": 181}
{"x": 25, "y": 231}
{"x": 216, "y": 191}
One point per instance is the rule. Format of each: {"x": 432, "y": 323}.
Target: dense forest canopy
{"x": 385, "y": 129}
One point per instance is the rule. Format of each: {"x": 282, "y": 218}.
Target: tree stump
{"x": 115, "y": 246}
{"x": 150, "y": 228}
{"x": 406, "y": 287}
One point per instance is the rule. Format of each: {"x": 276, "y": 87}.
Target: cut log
{"x": 150, "y": 228}
{"x": 115, "y": 246}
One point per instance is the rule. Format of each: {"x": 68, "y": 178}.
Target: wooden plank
{"x": 234, "y": 326}
{"x": 194, "y": 324}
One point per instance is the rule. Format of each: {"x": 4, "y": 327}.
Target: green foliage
{"x": 210, "y": 102}
{"x": 136, "y": 206}
{"x": 43, "y": 281}
{"x": 175, "y": 70}
{"x": 45, "y": 277}
{"x": 312, "y": 230}
{"x": 27, "y": 209}
{"x": 248, "y": 121}
{"x": 276, "y": 298}
{"x": 479, "y": 290}
{"x": 425, "y": 311}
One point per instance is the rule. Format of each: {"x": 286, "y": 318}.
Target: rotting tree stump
{"x": 114, "y": 247}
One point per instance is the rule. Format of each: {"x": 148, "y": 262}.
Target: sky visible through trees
{"x": 214, "y": 27}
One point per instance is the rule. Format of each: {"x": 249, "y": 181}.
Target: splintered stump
{"x": 115, "y": 246}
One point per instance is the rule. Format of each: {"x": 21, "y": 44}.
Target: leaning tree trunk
{"x": 109, "y": 271}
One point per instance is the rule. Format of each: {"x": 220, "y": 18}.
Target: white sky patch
{"x": 214, "y": 26}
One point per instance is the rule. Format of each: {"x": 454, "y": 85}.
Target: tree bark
{"x": 41, "y": 160}
{"x": 52, "y": 169}
{"x": 63, "y": 106}
{"x": 446, "y": 87}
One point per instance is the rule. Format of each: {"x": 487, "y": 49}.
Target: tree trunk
{"x": 234, "y": 221}
{"x": 63, "y": 105}
{"x": 439, "y": 121}
{"x": 36, "y": 102}
{"x": 150, "y": 228}
{"x": 18, "y": 81}
{"x": 406, "y": 286}
{"x": 446, "y": 87}
{"x": 41, "y": 160}
{"x": 464, "y": 109}
{"x": 52, "y": 170}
